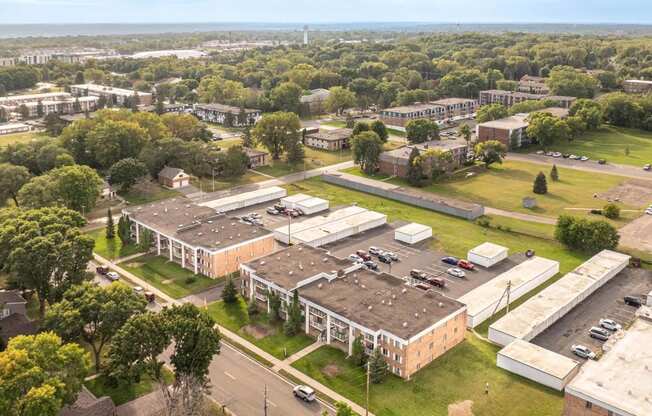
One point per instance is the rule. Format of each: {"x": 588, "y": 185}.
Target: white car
{"x": 584, "y": 158}
{"x": 255, "y": 215}
{"x": 556, "y": 154}
{"x": 582, "y": 351}
{"x": 375, "y": 251}
{"x": 392, "y": 255}
{"x": 574, "y": 157}
{"x": 305, "y": 393}
{"x": 647, "y": 167}
{"x": 549, "y": 153}
{"x": 540, "y": 152}
{"x": 610, "y": 324}
{"x": 138, "y": 289}
{"x": 454, "y": 271}
{"x": 648, "y": 211}
{"x": 355, "y": 258}
{"x": 113, "y": 276}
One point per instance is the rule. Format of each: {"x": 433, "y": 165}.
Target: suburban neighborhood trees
{"x": 490, "y": 151}
{"x": 586, "y": 235}
{"x": 276, "y": 130}
{"x": 358, "y": 355}
{"x": 12, "y": 178}
{"x": 124, "y": 230}
{"x": 611, "y": 211}
{"x": 415, "y": 172}
{"x": 110, "y": 226}
{"x": 546, "y": 128}
{"x": 589, "y": 111}
{"x": 40, "y": 374}
{"x": 229, "y": 293}
{"x": 339, "y": 99}
{"x": 367, "y": 148}
{"x": 491, "y": 112}
{"x": 377, "y": 367}
{"x": 126, "y": 173}
{"x": 554, "y": 174}
{"x": 294, "y": 319}
{"x": 567, "y": 81}
{"x": 421, "y": 130}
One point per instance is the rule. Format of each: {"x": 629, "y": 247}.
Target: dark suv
{"x": 633, "y": 301}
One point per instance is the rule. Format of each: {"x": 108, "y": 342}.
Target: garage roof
{"x": 413, "y": 228}
{"x": 539, "y": 358}
{"x": 488, "y": 250}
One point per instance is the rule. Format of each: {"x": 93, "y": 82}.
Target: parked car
{"x": 550, "y": 153}
{"x": 455, "y": 272}
{"x": 384, "y": 258}
{"x": 465, "y": 264}
{"x": 648, "y": 211}
{"x": 149, "y": 296}
{"x": 355, "y": 258}
{"x": 437, "y": 281}
{"x": 418, "y": 274}
{"x": 556, "y": 154}
{"x": 272, "y": 211}
{"x": 540, "y": 152}
{"x": 392, "y": 255}
{"x": 102, "y": 270}
{"x": 602, "y": 161}
{"x": 450, "y": 260}
{"x": 363, "y": 255}
{"x": 584, "y": 158}
{"x": 647, "y": 167}
{"x": 582, "y": 351}
{"x": 573, "y": 157}
{"x": 566, "y": 155}
{"x": 112, "y": 276}
{"x": 138, "y": 289}
{"x": 371, "y": 265}
{"x": 292, "y": 213}
{"x": 255, "y": 215}
{"x": 529, "y": 253}
{"x": 633, "y": 301}
{"x": 422, "y": 286}
{"x": 610, "y": 324}
{"x": 599, "y": 333}
{"x": 304, "y": 393}
{"x": 375, "y": 251}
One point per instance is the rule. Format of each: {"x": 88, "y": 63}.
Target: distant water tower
{"x": 305, "y": 35}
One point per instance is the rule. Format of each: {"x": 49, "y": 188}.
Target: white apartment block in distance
{"x": 112, "y": 94}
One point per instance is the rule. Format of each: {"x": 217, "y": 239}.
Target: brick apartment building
{"x": 341, "y": 301}
{"x": 198, "y": 238}
{"x": 395, "y": 162}
{"x": 533, "y": 85}
{"x": 329, "y": 139}
{"x": 220, "y": 113}
{"x": 637, "y": 86}
{"x": 436, "y": 110}
{"x": 111, "y": 94}
{"x": 256, "y": 157}
{"x": 509, "y": 98}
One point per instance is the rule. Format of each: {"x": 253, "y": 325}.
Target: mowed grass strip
{"x": 26, "y": 137}
{"x": 168, "y": 276}
{"x": 125, "y": 392}
{"x": 111, "y": 249}
{"x": 459, "y": 375}
{"x": 258, "y": 329}
{"x": 609, "y": 143}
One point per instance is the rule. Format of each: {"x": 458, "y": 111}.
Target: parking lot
{"x": 271, "y": 221}
{"x": 606, "y": 302}
{"x": 419, "y": 256}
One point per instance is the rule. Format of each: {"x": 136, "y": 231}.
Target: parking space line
{"x": 229, "y": 375}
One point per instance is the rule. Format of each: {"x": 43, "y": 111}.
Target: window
{"x": 431, "y": 345}
{"x": 589, "y": 405}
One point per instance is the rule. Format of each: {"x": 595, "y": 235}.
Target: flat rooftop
{"x": 402, "y": 154}
{"x": 452, "y": 101}
{"x": 223, "y": 108}
{"x": 320, "y": 220}
{"x": 332, "y": 135}
{"x": 536, "y": 311}
{"x": 621, "y": 380}
{"x": 264, "y": 194}
{"x": 413, "y": 228}
{"x": 9, "y": 126}
{"x": 539, "y": 358}
{"x": 194, "y": 225}
{"x": 514, "y": 122}
{"x": 488, "y": 250}
{"x": 515, "y": 94}
{"x": 639, "y": 81}
{"x": 332, "y": 228}
{"x": 405, "y": 109}
{"x": 108, "y": 89}
{"x": 46, "y": 96}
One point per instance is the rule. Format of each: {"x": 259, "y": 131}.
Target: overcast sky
{"x": 317, "y": 11}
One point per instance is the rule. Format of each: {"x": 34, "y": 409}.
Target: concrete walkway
{"x": 277, "y": 364}
{"x": 130, "y": 257}
{"x": 520, "y": 216}
{"x": 148, "y": 405}
{"x": 300, "y": 354}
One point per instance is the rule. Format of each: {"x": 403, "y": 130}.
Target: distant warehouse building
{"x": 198, "y": 238}
{"x": 637, "y": 86}
{"x": 341, "y": 302}
{"x": 227, "y": 114}
{"x": 236, "y": 200}
{"x": 114, "y": 95}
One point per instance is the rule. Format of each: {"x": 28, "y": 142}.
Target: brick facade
{"x": 574, "y": 406}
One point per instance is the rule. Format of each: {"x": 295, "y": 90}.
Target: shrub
{"x": 611, "y": 211}
{"x": 540, "y": 184}
{"x": 190, "y": 280}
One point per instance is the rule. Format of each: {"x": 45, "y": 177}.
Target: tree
{"x": 40, "y": 375}
{"x": 343, "y": 409}
{"x": 367, "y": 148}
{"x": 589, "y": 111}
{"x": 12, "y": 178}
{"x": 576, "y": 126}
{"x": 567, "y": 81}
{"x": 540, "y": 184}
{"x": 465, "y": 131}
{"x": 554, "y": 175}
{"x": 359, "y": 127}
{"x": 357, "y": 352}
{"x": 126, "y": 173}
{"x": 110, "y": 227}
{"x": 160, "y": 107}
{"x": 252, "y": 307}
{"x": 276, "y": 130}
{"x": 247, "y": 139}
{"x": 39, "y": 108}
{"x": 53, "y": 124}
{"x": 110, "y": 141}
{"x": 377, "y": 367}
{"x": 295, "y": 152}
{"x": 380, "y": 129}
{"x": 45, "y": 251}
{"x": 611, "y": 211}
{"x": 79, "y": 77}
{"x": 546, "y": 128}
{"x": 23, "y": 111}
{"x": 286, "y": 97}
{"x": 274, "y": 302}
{"x": 415, "y": 172}
{"x": 586, "y": 235}
{"x": 233, "y": 162}
{"x": 491, "y": 112}
{"x": 621, "y": 109}
{"x": 124, "y": 230}
{"x": 229, "y": 293}
{"x": 490, "y": 151}
{"x": 421, "y": 130}
{"x": 294, "y": 319}
{"x": 435, "y": 162}
{"x": 145, "y": 239}
{"x": 527, "y": 106}
{"x": 4, "y": 114}
{"x": 99, "y": 312}
{"x": 77, "y": 187}
{"x": 339, "y": 99}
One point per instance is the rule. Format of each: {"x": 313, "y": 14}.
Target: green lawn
{"x": 341, "y": 124}
{"x": 123, "y": 392}
{"x": 455, "y": 377}
{"x": 235, "y": 318}
{"x": 19, "y": 138}
{"x": 148, "y": 191}
{"x": 453, "y": 235}
{"x": 111, "y": 249}
{"x": 609, "y": 143}
{"x": 169, "y": 277}
{"x": 504, "y": 186}
{"x": 208, "y": 185}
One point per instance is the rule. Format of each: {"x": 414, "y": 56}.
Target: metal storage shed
{"x": 412, "y": 233}
{"x": 246, "y": 199}
{"x": 312, "y": 205}
{"x": 283, "y": 233}
{"x": 292, "y": 200}
{"x": 487, "y": 254}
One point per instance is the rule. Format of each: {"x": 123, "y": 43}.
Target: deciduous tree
{"x": 126, "y": 173}
{"x": 12, "y": 178}
{"x": 276, "y": 130}
{"x": 490, "y": 151}
{"x": 367, "y": 148}
{"x": 421, "y": 130}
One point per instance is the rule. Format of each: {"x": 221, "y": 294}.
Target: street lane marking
{"x": 229, "y": 375}
{"x": 271, "y": 403}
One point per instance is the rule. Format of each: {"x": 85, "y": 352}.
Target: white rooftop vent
{"x": 393, "y": 296}
{"x": 355, "y": 281}
{"x": 382, "y": 301}
{"x": 325, "y": 259}
{"x": 232, "y": 224}
{"x": 441, "y": 304}
{"x": 262, "y": 262}
{"x": 290, "y": 272}
{"x": 300, "y": 266}
{"x": 416, "y": 314}
{"x": 312, "y": 263}
{"x": 300, "y": 248}
{"x": 238, "y": 234}
{"x": 288, "y": 254}
{"x": 320, "y": 286}
{"x": 404, "y": 290}
{"x": 424, "y": 310}
{"x": 363, "y": 286}
{"x": 404, "y": 324}
{"x": 389, "y": 303}
{"x": 370, "y": 307}
{"x": 155, "y": 214}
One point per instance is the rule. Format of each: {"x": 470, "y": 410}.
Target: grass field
{"x": 455, "y": 377}
{"x": 609, "y": 143}
{"x": 19, "y": 138}
{"x": 124, "y": 392}
{"x": 208, "y": 185}
{"x": 169, "y": 277}
{"x": 504, "y": 186}
{"x": 453, "y": 235}
{"x": 111, "y": 249}
{"x": 235, "y": 318}
{"x": 148, "y": 191}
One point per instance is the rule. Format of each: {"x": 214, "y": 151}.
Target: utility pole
{"x": 265, "y": 404}
{"x": 366, "y": 407}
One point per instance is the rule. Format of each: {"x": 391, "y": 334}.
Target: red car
{"x": 465, "y": 264}
{"x": 437, "y": 281}
{"x": 422, "y": 286}
{"x": 102, "y": 270}
{"x": 363, "y": 255}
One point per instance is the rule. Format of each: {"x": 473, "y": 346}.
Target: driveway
{"x": 588, "y": 166}
{"x": 637, "y": 234}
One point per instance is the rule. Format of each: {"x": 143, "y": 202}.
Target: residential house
{"x": 341, "y": 301}
{"x": 67, "y": 106}
{"x": 173, "y": 178}
{"x": 396, "y": 162}
{"x": 336, "y": 139}
{"x": 13, "y": 316}
{"x": 197, "y": 237}
{"x": 228, "y": 115}
{"x": 257, "y": 157}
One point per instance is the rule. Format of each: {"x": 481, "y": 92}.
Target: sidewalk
{"x": 300, "y": 354}
{"x": 277, "y": 365}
